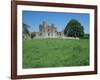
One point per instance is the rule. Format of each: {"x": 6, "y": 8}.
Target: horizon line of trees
{"x": 73, "y": 29}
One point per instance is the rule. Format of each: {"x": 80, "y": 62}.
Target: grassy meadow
{"x": 38, "y": 53}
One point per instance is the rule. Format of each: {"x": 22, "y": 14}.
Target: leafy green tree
{"x": 26, "y": 33}
{"x": 33, "y": 35}
{"x": 25, "y": 29}
{"x": 74, "y": 29}
{"x": 86, "y": 36}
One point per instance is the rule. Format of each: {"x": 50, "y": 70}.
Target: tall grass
{"x": 55, "y": 53}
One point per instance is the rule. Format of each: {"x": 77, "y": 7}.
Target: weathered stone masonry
{"x": 48, "y": 31}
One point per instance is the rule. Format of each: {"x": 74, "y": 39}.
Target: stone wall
{"x": 48, "y": 31}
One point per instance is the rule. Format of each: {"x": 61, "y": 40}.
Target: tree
{"x": 86, "y": 36}
{"x": 74, "y": 29}
{"x": 26, "y": 32}
{"x": 33, "y": 34}
{"x": 25, "y": 29}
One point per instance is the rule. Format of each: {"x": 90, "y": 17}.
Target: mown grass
{"x": 55, "y": 53}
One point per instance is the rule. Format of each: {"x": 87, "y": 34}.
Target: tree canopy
{"x": 33, "y": 34}
{"x": 74, "y": 29}
{"x": 25, "y": 29}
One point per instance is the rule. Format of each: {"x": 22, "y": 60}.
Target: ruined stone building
{"x": 48, "y": 31}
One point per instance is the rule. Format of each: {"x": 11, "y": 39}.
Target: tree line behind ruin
{"x": 72, "y": 29}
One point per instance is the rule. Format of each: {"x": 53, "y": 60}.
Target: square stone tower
{"x": 47, "y": 31}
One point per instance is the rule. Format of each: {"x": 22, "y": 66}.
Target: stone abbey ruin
{"x": 48, "y": 31}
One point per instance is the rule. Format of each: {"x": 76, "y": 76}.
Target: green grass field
{"x": 55, "y": 53}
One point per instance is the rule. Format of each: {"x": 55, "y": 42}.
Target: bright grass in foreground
{"x": 38, "y": 53}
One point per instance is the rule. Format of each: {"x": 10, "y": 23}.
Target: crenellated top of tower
{"x": 44, "y": 24}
